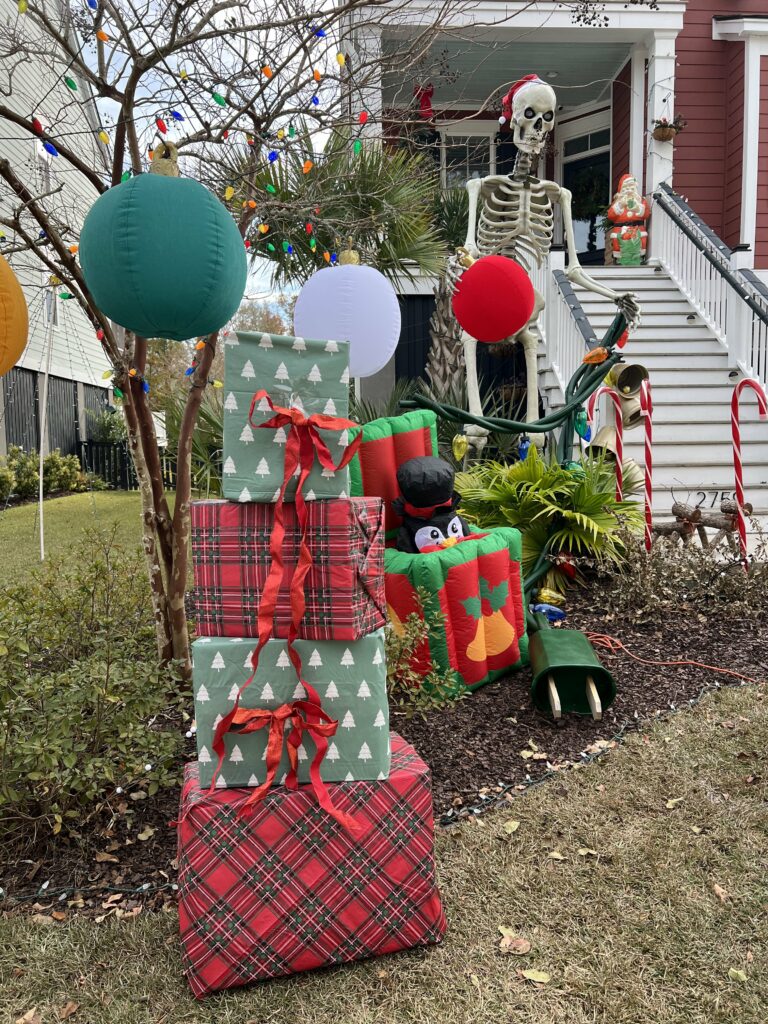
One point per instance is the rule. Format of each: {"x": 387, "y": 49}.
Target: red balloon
{"x": 494, "y": 299}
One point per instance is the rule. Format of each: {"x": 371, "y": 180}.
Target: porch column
{"x": 661, "y": 103}
{"x": 365, "y": 90}
{"x": 638, "y": 58}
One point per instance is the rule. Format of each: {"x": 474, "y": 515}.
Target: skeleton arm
{"x": 575, "y": 273}
{"x": 474, "y": 187}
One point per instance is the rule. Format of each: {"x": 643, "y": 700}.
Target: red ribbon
{"x": 425, "y": 512}
{"x": 302, "y": 445}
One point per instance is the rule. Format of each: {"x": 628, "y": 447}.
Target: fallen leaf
{"x": 735, "y": 975}
{"x": 555, "y": 855}
{"x": 720, "y": 892}
{"x": 110, "y": 901}
{"x": 750, "y": 956}
{"x": 382, "y": 974}
{"x": 696, "y": 829}
{"x": 752, "y": 779}
{"x": 475, "y": 981}
{"x": 511, "y": 826}
{"x": 42, "y": 919}
{"x": 540, "y": 977}
{"x": 146, "y": 833}
{"x": 585, "y": 851}
{"x": 674, "y": 802}
{"x": 526, "y": 754}
{"x": 58, "y": 915}
{"x": 68, "y": 1009}
{"x": 511, "y": 943}
{"x": 30, "y": 1017}
{"x": 105, "y": 858}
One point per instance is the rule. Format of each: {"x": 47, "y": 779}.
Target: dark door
{"x": 589, "y": 181}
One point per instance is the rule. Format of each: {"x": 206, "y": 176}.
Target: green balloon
{"x": 163, "y": 257}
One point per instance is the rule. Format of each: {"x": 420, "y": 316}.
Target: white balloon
{"x": 355, "y": 304}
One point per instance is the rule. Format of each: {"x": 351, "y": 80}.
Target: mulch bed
{"x": 486, "y": 748}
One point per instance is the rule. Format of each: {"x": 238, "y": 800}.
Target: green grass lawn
{"x": 65, "y": 519}
{"x": 658, "y": 889}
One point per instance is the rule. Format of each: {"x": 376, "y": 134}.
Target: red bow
{"x": 303, "y": 443}
{"x": 304, "y": 716}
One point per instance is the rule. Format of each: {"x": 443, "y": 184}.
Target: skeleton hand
{"x": 630, "y": 307}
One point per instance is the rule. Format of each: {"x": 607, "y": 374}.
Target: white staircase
{"x": 692, "y": 384}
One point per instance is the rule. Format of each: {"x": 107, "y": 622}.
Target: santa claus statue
{"x": 628, "y": 213}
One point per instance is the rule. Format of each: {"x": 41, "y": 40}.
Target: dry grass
{"x": 634, "y": 935}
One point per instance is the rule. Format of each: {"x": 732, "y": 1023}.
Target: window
{"x": 466, "y": 158}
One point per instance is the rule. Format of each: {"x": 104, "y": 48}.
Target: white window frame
{"x": 564, "y": 132}
{"x": 467, "y": 130}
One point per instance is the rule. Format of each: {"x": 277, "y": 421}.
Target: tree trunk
{"x": 445, "y": 361}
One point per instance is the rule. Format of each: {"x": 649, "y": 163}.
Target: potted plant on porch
{"x": 665, "y": 130}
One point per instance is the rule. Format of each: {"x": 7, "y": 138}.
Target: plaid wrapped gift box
{"x": 350, "y": 679}
{"x": 296, "y": 372}
{"x": 344, "y": 590}
{"x": 288, "y": 889}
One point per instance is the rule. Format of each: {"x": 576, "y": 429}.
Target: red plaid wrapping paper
{"x": 344, "y": 589}
{"x": 289, "y": 889}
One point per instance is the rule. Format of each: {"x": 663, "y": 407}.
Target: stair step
{"x": 709, "y": 397}
{"x": 754, "y": 453}
{"x": 674, "y": 347}
{"x": 666, "y": 431}
{"x": 661, "y": 362}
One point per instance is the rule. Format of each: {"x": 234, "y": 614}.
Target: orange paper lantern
{"x": 14, "y": 320}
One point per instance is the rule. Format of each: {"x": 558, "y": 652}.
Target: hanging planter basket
{"x": 664, "y": 133}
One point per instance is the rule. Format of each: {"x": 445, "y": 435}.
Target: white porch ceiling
{"x": 473, "y": 74}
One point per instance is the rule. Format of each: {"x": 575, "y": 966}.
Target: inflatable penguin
{"x": 428, "y": 506}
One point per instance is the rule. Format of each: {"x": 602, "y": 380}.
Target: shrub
{"x": 24, "y": 466}
{"x": 107, "y": 426}
{"x": 7, "y": 480}
{"x": 412, "y": 692}
{"x": 61, "y": 473}
{"x": 577, "y": 512}
{"x": 83, "y": 709}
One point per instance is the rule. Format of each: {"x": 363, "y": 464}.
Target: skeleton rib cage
{"x": 516, "y": 220}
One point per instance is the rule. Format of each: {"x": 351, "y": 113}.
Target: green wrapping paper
{"x": 349, "y": 677}
{"x": 296, "y": 372}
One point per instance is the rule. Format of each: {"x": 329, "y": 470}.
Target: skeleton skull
{"x": 533, "y": 115}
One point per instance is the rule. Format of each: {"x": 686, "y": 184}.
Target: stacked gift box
{"x": 306, "y": 834}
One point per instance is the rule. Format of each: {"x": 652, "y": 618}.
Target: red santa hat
{"x": 506, "y": 103}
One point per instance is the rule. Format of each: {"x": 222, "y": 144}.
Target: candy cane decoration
{"x": 738, "y": 468}
{"x": 614, "y": 396}
{"x": 646, "y": 407}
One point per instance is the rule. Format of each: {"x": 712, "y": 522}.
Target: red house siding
{"x": 761, "y": 235}
{"x": 701, "y": 95}
{"x": 734, "y": 141}
{"x": 621, "y": 94}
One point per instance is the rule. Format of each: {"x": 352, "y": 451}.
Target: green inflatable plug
{"x": 567, "y": 675}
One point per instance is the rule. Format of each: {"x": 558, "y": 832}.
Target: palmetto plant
{"x": 207, "y": 440}
{"x": 577, "y": 512}
{"x": 380, "y": 198}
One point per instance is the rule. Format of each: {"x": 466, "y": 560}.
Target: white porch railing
{"x": 564, "y": 327}
{"x": 717, "y": 282}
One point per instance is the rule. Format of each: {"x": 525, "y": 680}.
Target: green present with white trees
{"x": 349, "y": 677}
{"x": 312, "y": 376}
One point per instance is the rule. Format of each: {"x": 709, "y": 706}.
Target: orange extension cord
{"x": 610, "y": 643}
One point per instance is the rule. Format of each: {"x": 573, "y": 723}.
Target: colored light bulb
{"x": 308, "y": 165}
{"x": 363, "y": 117}
{"x": 104, "y": 137}
{"x": 315, "y": 101}
{"x": 118, "y": 393}
{"x": 228, "y": 192}
{"x": 100, "y": 336}
{"x": 125, "y": 176}
{"x": 316, "y": 75}
{"x": 270, "y": 247}
{"x": 183, "y": 75}
{"x": 267, "y": 71}
{"x": 308, "y": 228}
{"x": 37, "y": 125}
{"x": 341, "y": 60}
{"x": 273, "y": 156}
{"x": 93, "y": 4}
{"x": 177, "y": 116}
{"x": 357, "y": 147}
{"x": 161, "y": 125}
{"x": 102, "y": 35}
{"x": 218, "y": 98}
{"x": 291, "y": 131}
{"x": 70, "y": 83}
{"x": 50, "y": 148}
{"x": 272, "y": 189}
{"x": 327, "y": 256}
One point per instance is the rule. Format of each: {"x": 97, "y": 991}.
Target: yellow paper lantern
{"x": 14, "y": 320}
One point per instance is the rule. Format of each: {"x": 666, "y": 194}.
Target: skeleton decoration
{"x": 513, "y": 215}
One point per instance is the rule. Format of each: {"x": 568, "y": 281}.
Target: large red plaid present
{"x": 344, "y": 589}
{"x": 289, "y": 889}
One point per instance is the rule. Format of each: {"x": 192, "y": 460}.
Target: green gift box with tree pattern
{"x": 296, "y": 373}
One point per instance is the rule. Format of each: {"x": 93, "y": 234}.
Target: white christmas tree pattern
{"x": 299, "y": 345}
{"x": 202, "y": 694}
{"x": 331, "y": 346}
{"x": 344, "y": 378}
{"x": 310, "y": 495}
{"x": 248, "y": 371}
{"x": 263, "y": 468}
{"x": 343, "y": 439}
{"x": 229, "y": 466}
{"x": 265, "y": 342}
{"x": 281, "y": 373}
{"x": 266, "y": 693}
{"x": 237, "y": 755}
{"x": 365, "y": 753}
{"x": 349, "y": 777}
{"x": 230, "y": 338}
{"x": 245, "y": 495}
{"x": 246, "y": 434}
{"x": 347, "y": 659}
{"x": 204, "y": 757}
{"x": 253, "y": 781}
{"x": 314, "y": 376}
{"x": 364, "y": 690}
{"x": 332, "y": 692}
{"x": 315, "y": 661}
{"x": 263, "y": 405}
{"x": 216, "y": 721}
{"x": 379, "y": 721}
{"x": 218, "y": 662}
{"x": 221, "y": 782}
{"x": 348, "y": 721}
{"x": 279, "y": 437}
{"x": 330, "y": 408}
{"x": 283, "y": 661}
{"x": 328, "y": 473}
{"x": 234, "y": 691}
{"x": 301, "y": 753}
{"x": 333, "y": 752}
{"x": 231, "y": 402}
{"x": 377, "y": 658}
{"x": 299, "y": 693}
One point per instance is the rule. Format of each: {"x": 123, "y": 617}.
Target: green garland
{"x": 586, "y": 380}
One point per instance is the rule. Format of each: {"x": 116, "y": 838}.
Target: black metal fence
{"x": 111, "y": 460}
